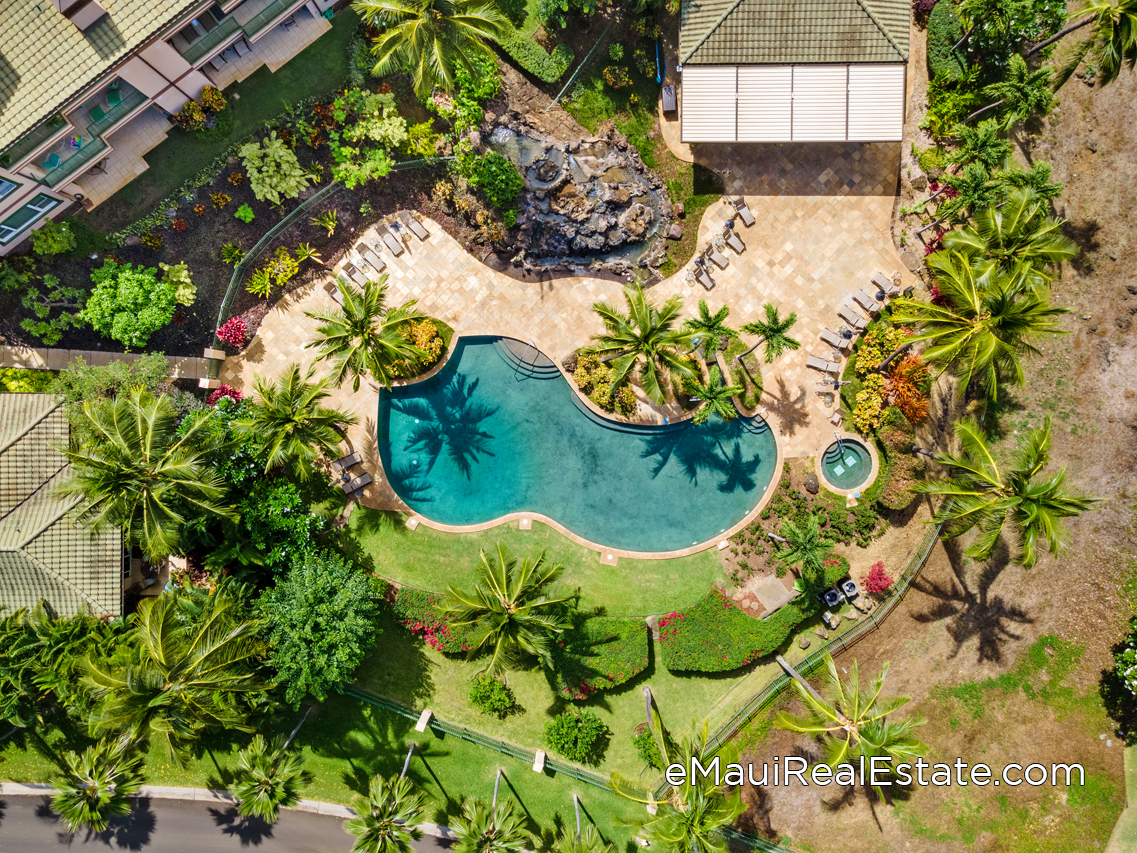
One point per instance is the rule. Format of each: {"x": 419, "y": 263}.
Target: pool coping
{"x": 874, "y": 472}
{"x": 607, "y": 555}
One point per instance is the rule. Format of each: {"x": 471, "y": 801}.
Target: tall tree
{"x": 647, "y": 338}
{"x": 804, "y": 546}
{"x": 511, "y": 612}
{"x": 983, "y": 325}
{"x": 975, "y": 187}
{"x": 852, "y": 722}
{"x": 267, "y": 779}
{"x": 287, "y": 416}
{"x": 710, "y": 331}
{"x": 1021, "y": 94}
{"x": 97, "y": 785}
{"x": 388, "y": 817}
{"x": 483, "y": 828}
{"x": 141, "y": 473}
{"x": 773, "y": 332}
{"x": 364, "y": 336}
{"x": 694, "y": 827}
{"x": 1111, "y": 46}
{"x": 986, "y": 495}
{"x": 428, "y": 39}
{"x": 715, "y": 398}
{"x": 981, "y": 144}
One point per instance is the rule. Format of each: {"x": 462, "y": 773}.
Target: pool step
{"x": 527, "y": 361}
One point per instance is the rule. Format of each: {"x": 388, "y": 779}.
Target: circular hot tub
{"x": 847, "y": 465}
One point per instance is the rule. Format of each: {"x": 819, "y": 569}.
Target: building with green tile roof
{"x": 44, "y": 552}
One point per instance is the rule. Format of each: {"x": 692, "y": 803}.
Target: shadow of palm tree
{"x": 249, "y": 830}
{"x": 789, "y": 410}
{"x": 449, "y": 420}
{"x": 131, "y": 831}
{"x": 738, "y": 473}
{"x": 689, "y": 447}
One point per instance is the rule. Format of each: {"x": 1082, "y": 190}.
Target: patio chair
{"x": 376, "y": 262}
{"x": 289, "y": 22}
{"x": 822, "y": 364}
{"x": 357, "y": 484}
{"x": 835, "y": 418}
{"x": 705, "y": 280}
{"x": 218, "y": 61}
{"x": 114, "y": 94}
{"x": 885, "y": 284}
{"x": 391, "y": 242}
{"x": 735, "y": 243}
{"x": 416, "y": 227}
{"x": 834, "y": 340}
{"x": 51, "y": 162}
{"x": 241, "y": 47}
{"x": 718, "y": 257}
{"x": 744, "y": 212}
{"x": 354, "y": 274}
{"x": 334, "y": 292}
{"x": 866, "y": 302}
{"x": 846, "y": 313}
{"x": 345, "y": 462}
{"x": 97, "y": 114}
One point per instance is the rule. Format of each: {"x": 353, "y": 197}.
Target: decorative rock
{"x": 1123, "y": 322}
{"x": 232, "y": 161}
{"x": 675, "y": 232}
{"x": 132, "y": 240}
{"x": 913, "y": 260}
{"x": 853, "y": 615}
{"x": 678, "y": 210}
{"x": 822, "y": 633}
{"x": 811, "y": 484}
{"x": 1132, "y": 288}
{"x": 919, "y": 182}
{"x": 803, "y": 643}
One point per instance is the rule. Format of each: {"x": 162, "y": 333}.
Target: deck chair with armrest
{"x": 866, "y": 302}
{"x": 355, "y": 274}
{"x": 824, "y": 365}
{"x": 855, "y": 320}
{"x": 372, "y": 259}
{"x": 391, "y": 241}
{"x": 414, "y": 225}
{"x": 885, "y": 284}
{"x": 718, "y": 257}
{"x": 735, "y": 242}
{"x": 834, "y": 340}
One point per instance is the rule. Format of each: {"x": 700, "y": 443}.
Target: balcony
{"x": 131, "y": 100}
{"x": 209, "y": 42}
{"x": 78, "y": 158}
{"x": 32, "y": 141}
{"x": 265, "y": 16}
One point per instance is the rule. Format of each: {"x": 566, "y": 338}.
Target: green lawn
{"x": 431, "y": 560}
{"x": 320, "y": 68}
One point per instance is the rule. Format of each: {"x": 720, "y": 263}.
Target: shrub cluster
{"x": 418, "y": 612}
{"x": 878, "y": 581}
{"x": 20, "y": 381}
{"x": 647, "y": 749}
{"x": 545, "y": 66}
{"x": 577, "y": 735}
{"x": 495, "y": 176}
{"x": 594, "y": 378}
{"x": 220, "y": 391}
{"x": 423, "y": 334}
{"x": 905, "y": 468}
{"x": 944, "y": 30}
{"x": 598, "y": 654}
{"x": 234, "y": 332}
{"x": 490, "y": 696}
{"x": 129, "y": 303}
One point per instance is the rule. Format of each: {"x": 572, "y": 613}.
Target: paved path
{"x": 42, "y": 358}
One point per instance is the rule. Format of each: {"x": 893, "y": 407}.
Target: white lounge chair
{"x": 735, "y": 242}
{"x": 834, "y": 340}
{"x": 822, "y": 364}
{"x": 846, "y": 313}
{"x": 376, "y": 262}
{"x": 704, "y": 279}
{"x": 885, "y": 284}
{"x": 335, "y": 292}
{"x": 866, "y": 302}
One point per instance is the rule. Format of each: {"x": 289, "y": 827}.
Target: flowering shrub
{"x": 234, "y": 332}
{"x": 212, "y": 100}
{"x": 878, "y": 344}
{"x": 617, "y": 76}
{"x": 598, "y": 654}
{"x": 870, "y": 405}
{"x": 424, "y": 335}
{"x": 1126, "y": 660}
{"x": 906, "y": 381}
{"x": 227, "y": 391}
{"x": 878, "y": 582}
{"x": 595, "y": 379}
{"x": 219, "y": 200}
{"x": 418, "y": 612}
{"x": 191, "y": 117}
{"x": 199, "y": 209}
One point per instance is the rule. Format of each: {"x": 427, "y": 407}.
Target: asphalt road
{"x": 27, "y": 825}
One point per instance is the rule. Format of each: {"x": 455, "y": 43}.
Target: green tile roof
{"x": 44, "y": 553}
{"x": 45, "y": 60}
{"x": 746, "y": 32}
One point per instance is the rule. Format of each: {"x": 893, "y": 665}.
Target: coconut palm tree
{"x": 715, "y": 398}
{"x": 773, "y": 332}
{"x": 1021, "y": 94}
{"x": 647, "y": 338}
{"x": 984, "y": 324}
{"x": 1111, "y": 45}
{"x": 694, "y": 827}
{"x": 980, "y": 144}
{"x": 388, "y": 817}
{"x": 288, "y": 419}
{"x": 852, "y": 722}
{"x": 1019, "y": 234}
{"x": 267, "y": 779}
{"x": 140, "y": 472}
{"x": 805, "y": 546}
{"x": 364, "y": 336}
{"x": 975, "y": 188}
{"x": 588, "y": 841}
{"x": 184, "y": 674}
{"x": 98, "y": 785}
{"x": 986, "y": 495}
{"x": 490, "y": 829}
{"x": 710, "y": 331}
{"x": 429, "y": 39}
{"x": 511, "y": 612}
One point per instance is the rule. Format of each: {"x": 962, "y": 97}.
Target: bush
{"x": 234, "y": 332}
{"x": 273, "y": 170}
{"x": 80, "y": 382}
{"x": 878, "y": 581}
{"x": 870, "y": 403}
{"x": 647, "y": 748}
{"x": 424, "y": 335}
{"x": 944, "y": 30}
{"x": 178, "y": 275}
{"x": 418, "y": 611}
{"x": 597, "y": 654}
{"x": 20, "y": 381}
{"x": 549, "y": 68}
{"x": 495, "y": 176}
{"x": 558, "y": 11}
{"x": 490, "y": 696}
{"x": 577, "y": 735}
{"x": 594, "y": 378}
{"x": 279, "y": 523}
{"x": 128, "y": 303}
{"x": 245, "y": 214}
{"x": 226, "y": 391}
{"x": 877, "y": 345}
{"x": 53, "y": 238}
{"x": 1126, "y": 659}
{"x": 43, "y": 303}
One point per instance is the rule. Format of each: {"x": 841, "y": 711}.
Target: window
{"x": 30, "y": 213}
{"x": 6, "y": 186}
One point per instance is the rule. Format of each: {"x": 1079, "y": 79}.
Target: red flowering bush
{"x": 598, "y": 654}
{"x": 877, "y": 581}
{"x": 936, "y": 297}
{"x": 229, "y": 391}
{"x": 418, "y": 612}
{"x": 234, "y": 332}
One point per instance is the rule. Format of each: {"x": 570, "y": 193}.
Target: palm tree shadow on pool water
{"x": 449, "y": 421}
{"x": 714, "y": 447}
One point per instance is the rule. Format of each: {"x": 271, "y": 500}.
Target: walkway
{"x": 42, "y": 358}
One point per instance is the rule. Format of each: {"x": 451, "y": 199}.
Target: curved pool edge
{"x": 868, "y": 444}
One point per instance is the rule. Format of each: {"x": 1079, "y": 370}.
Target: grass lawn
{"x": 320, "y": 68}
{"x": 430, "y": 560}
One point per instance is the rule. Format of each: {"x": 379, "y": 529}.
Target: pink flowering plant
{"x": 878, "y": 581}
{"x": 597, "y": 654}
{"x": 235, "y": 332}
{"x": 419, "y": 613}
{"x": 228, "y": 391}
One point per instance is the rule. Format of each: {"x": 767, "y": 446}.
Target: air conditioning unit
{"x": 82, "y": 13}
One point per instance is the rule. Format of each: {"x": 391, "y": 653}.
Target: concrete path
{"x": 43, "y": 358}
{"x": 1124, "y": 837}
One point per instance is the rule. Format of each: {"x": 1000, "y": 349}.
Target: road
{"x": 27, "y": 825}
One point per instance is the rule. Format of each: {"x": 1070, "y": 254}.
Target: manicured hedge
{"x": 418, "y": 612}
{"x": 716, "y": 636}
{"x": 599, "y": 654}
{"x": 944, "y": 30}
{"x": 534, "y": 58}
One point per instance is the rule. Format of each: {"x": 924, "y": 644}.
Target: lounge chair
{"x": 355, "y": 274}
{"x": 866, "y": 302}
{"x": 885, "y": 284}
{"x": 704, "y": 279}
{"x": 218, "y": 61}
{"x": 834, "y": 340}
{"x": 241, "y": 47}
{"x": 391, "y": 242}
{"x": 335, "y": 291}
{"x": 846, "y": 313}
{"x": 358, "y": 483}
{"x": 835, "y": 418}
{"x": 744, "y": 212}
{"x": 735, "y": 242}
{"x": 822, "y": 364}
{"x": 416, "y": 227}
{"x": 376, "y": 262}
{"x": 51, "y": 162}
{"x": 718, "y": 257}
{"x": 345, "y": 462}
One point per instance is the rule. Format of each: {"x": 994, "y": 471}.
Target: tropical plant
{"x": 852, "y": 722}
{"x": 1111, "y": 46}
{"x": 511, "y": 611}
{"x": 53, "y": 238}
{"x": 986, "y": 495}
{"x": 646, "y": 338}
{"x": 587, "y": 841}
{"x": 715, "y": 398}
{"x": 710, "y": 331}
{"x": 289, "y": 418}
{"x": 232, "y": 254}
{"x": 983, "y": 324}
{"x": 55, "y": 296}
{"x": 974, "y": 187}
{"x": 245, "y": 214}
{"x": 428, "y": 39}
{"x": 980, "y": 144}
{"x": 804, "y": 545}
{"x": 490, "y": 696}
{"x": 364, "y": 336}
{"x": 190, "y": 660}
{"x": 694, "y": 827}
{"x": 1021, "y": 94}
{"x": 388, "y": 817}
{"x": 128, "y": 303}
{"x": 578, "y": 735}
{"x": 483, "y": 828}
{"x": 274, "y": 172}
{"x": 266, "y": 779}
{"x": 773, "y": 332}
{"x": 97, "y": 785}
{"x": 185, "y": 292}
{"x": 138, "y": 473}
{"x": 327, "y": 220}
{"x": 304, "y": 252}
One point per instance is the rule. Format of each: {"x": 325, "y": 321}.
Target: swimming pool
{"x": 499, "y": 430}
{"x": 846, "y": 465}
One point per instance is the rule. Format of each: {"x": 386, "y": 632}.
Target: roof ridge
{"x": 884, "y": 30}
{"x": 95, "y": 606}
{"x": 711, "y": 30}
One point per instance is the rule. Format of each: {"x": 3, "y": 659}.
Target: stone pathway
{"x": 42, "y": 358}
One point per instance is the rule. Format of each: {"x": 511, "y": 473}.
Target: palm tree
{"x": 98, "y": 785}
{"x": 672, "y": 750}
{"x": 1021, "y": 93}
{"x": 773, "y": 332}
{"x": 1112, "y": 44}
{"x": 715, "y": 398}
{"x": 710, "y": 331}
{"x": 983, "y": 325}
{"x": 428, "y": 39}
{"x": 489, "y": 829}
{"x": 511, "y": 612}
{"x": 853, "y": 723}
{"x": 267, "y": 779}
{"x": 984, "y": 495}
{"x": 1018, "y": 234}
{"x": 804, "y": 546}
{"x": 589, "y": 841}
{"x": 288, "y": 418}
{"x": 980, "y": 144}
{"x": 1036, "y": 178}
{"x": 646, "y": 337}
{"x": 694, "y": 827}
{"x": 185, "y": 673}
{"x": 975, "y": 186}
{"x": 364, "y": 336}
{"x": 140, "y": 472}
{"x": 388, "y": 817}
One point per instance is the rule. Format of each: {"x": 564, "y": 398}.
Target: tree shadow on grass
{"x": 398, "y": 667}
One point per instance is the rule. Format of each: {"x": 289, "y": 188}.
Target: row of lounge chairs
{"x": 729, "y": 238}
{"x": 368, "y": 259}
{"x": 351, "y": 485}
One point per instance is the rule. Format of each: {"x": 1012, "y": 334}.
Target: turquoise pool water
{"x": 847, "y": 465}
{"x": 489, "y": 435}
